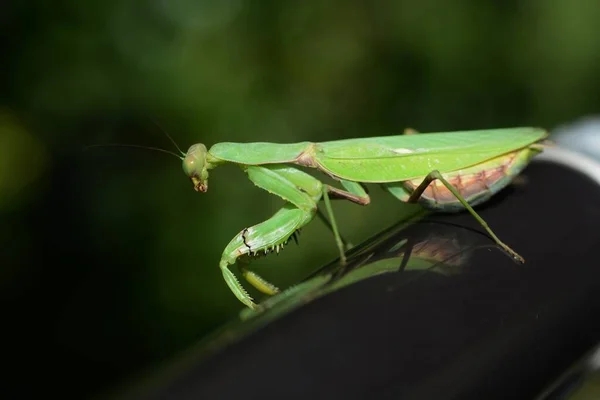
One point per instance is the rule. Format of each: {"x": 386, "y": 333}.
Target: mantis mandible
{"x": 444, "y": 171}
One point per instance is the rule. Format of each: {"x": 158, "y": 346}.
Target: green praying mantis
{"x": 443, "y": 171}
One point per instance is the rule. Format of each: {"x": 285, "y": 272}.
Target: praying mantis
{"x": 442, "y": 171}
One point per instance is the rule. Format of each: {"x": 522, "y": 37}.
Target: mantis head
{"x": 194, "y": 166}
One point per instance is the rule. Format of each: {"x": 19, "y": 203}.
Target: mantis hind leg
{"x": 401, "y": 193}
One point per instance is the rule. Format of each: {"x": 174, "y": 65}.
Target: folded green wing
{"x": 398, "y": 158}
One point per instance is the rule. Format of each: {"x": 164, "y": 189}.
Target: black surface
{"x": 497, "y": 330}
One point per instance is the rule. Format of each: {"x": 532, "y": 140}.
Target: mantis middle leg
{"x": 355, "y": 193}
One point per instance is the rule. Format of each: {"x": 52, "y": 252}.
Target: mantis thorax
{"x": 195, "y": 166}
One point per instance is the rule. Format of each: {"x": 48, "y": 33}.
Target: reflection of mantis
{"x": 438, "y": 249}
{"x": 443, "y": 171}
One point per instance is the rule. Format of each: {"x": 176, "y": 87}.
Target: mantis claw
{"x": 258, "y": 241}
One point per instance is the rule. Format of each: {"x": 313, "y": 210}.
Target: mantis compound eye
{"x": 194, "y": 166}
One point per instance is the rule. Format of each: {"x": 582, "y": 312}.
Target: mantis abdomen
{"x": 475, "y": 184}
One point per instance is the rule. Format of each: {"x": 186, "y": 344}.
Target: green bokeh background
{"x": 110, "y": 259}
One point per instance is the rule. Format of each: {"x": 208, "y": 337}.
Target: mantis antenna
{"x": 169, "y": 136}
{"x": 134, "y": 146}
{"x": 146, "y": 147}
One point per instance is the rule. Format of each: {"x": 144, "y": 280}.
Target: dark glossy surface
{"x": 487, "y": 329}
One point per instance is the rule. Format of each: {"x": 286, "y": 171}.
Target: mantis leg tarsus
{"x": 433, "y": 175}
{"x": 259, "y": 282}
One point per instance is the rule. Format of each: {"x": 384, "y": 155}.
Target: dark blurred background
{"x": 110, "y": 259}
